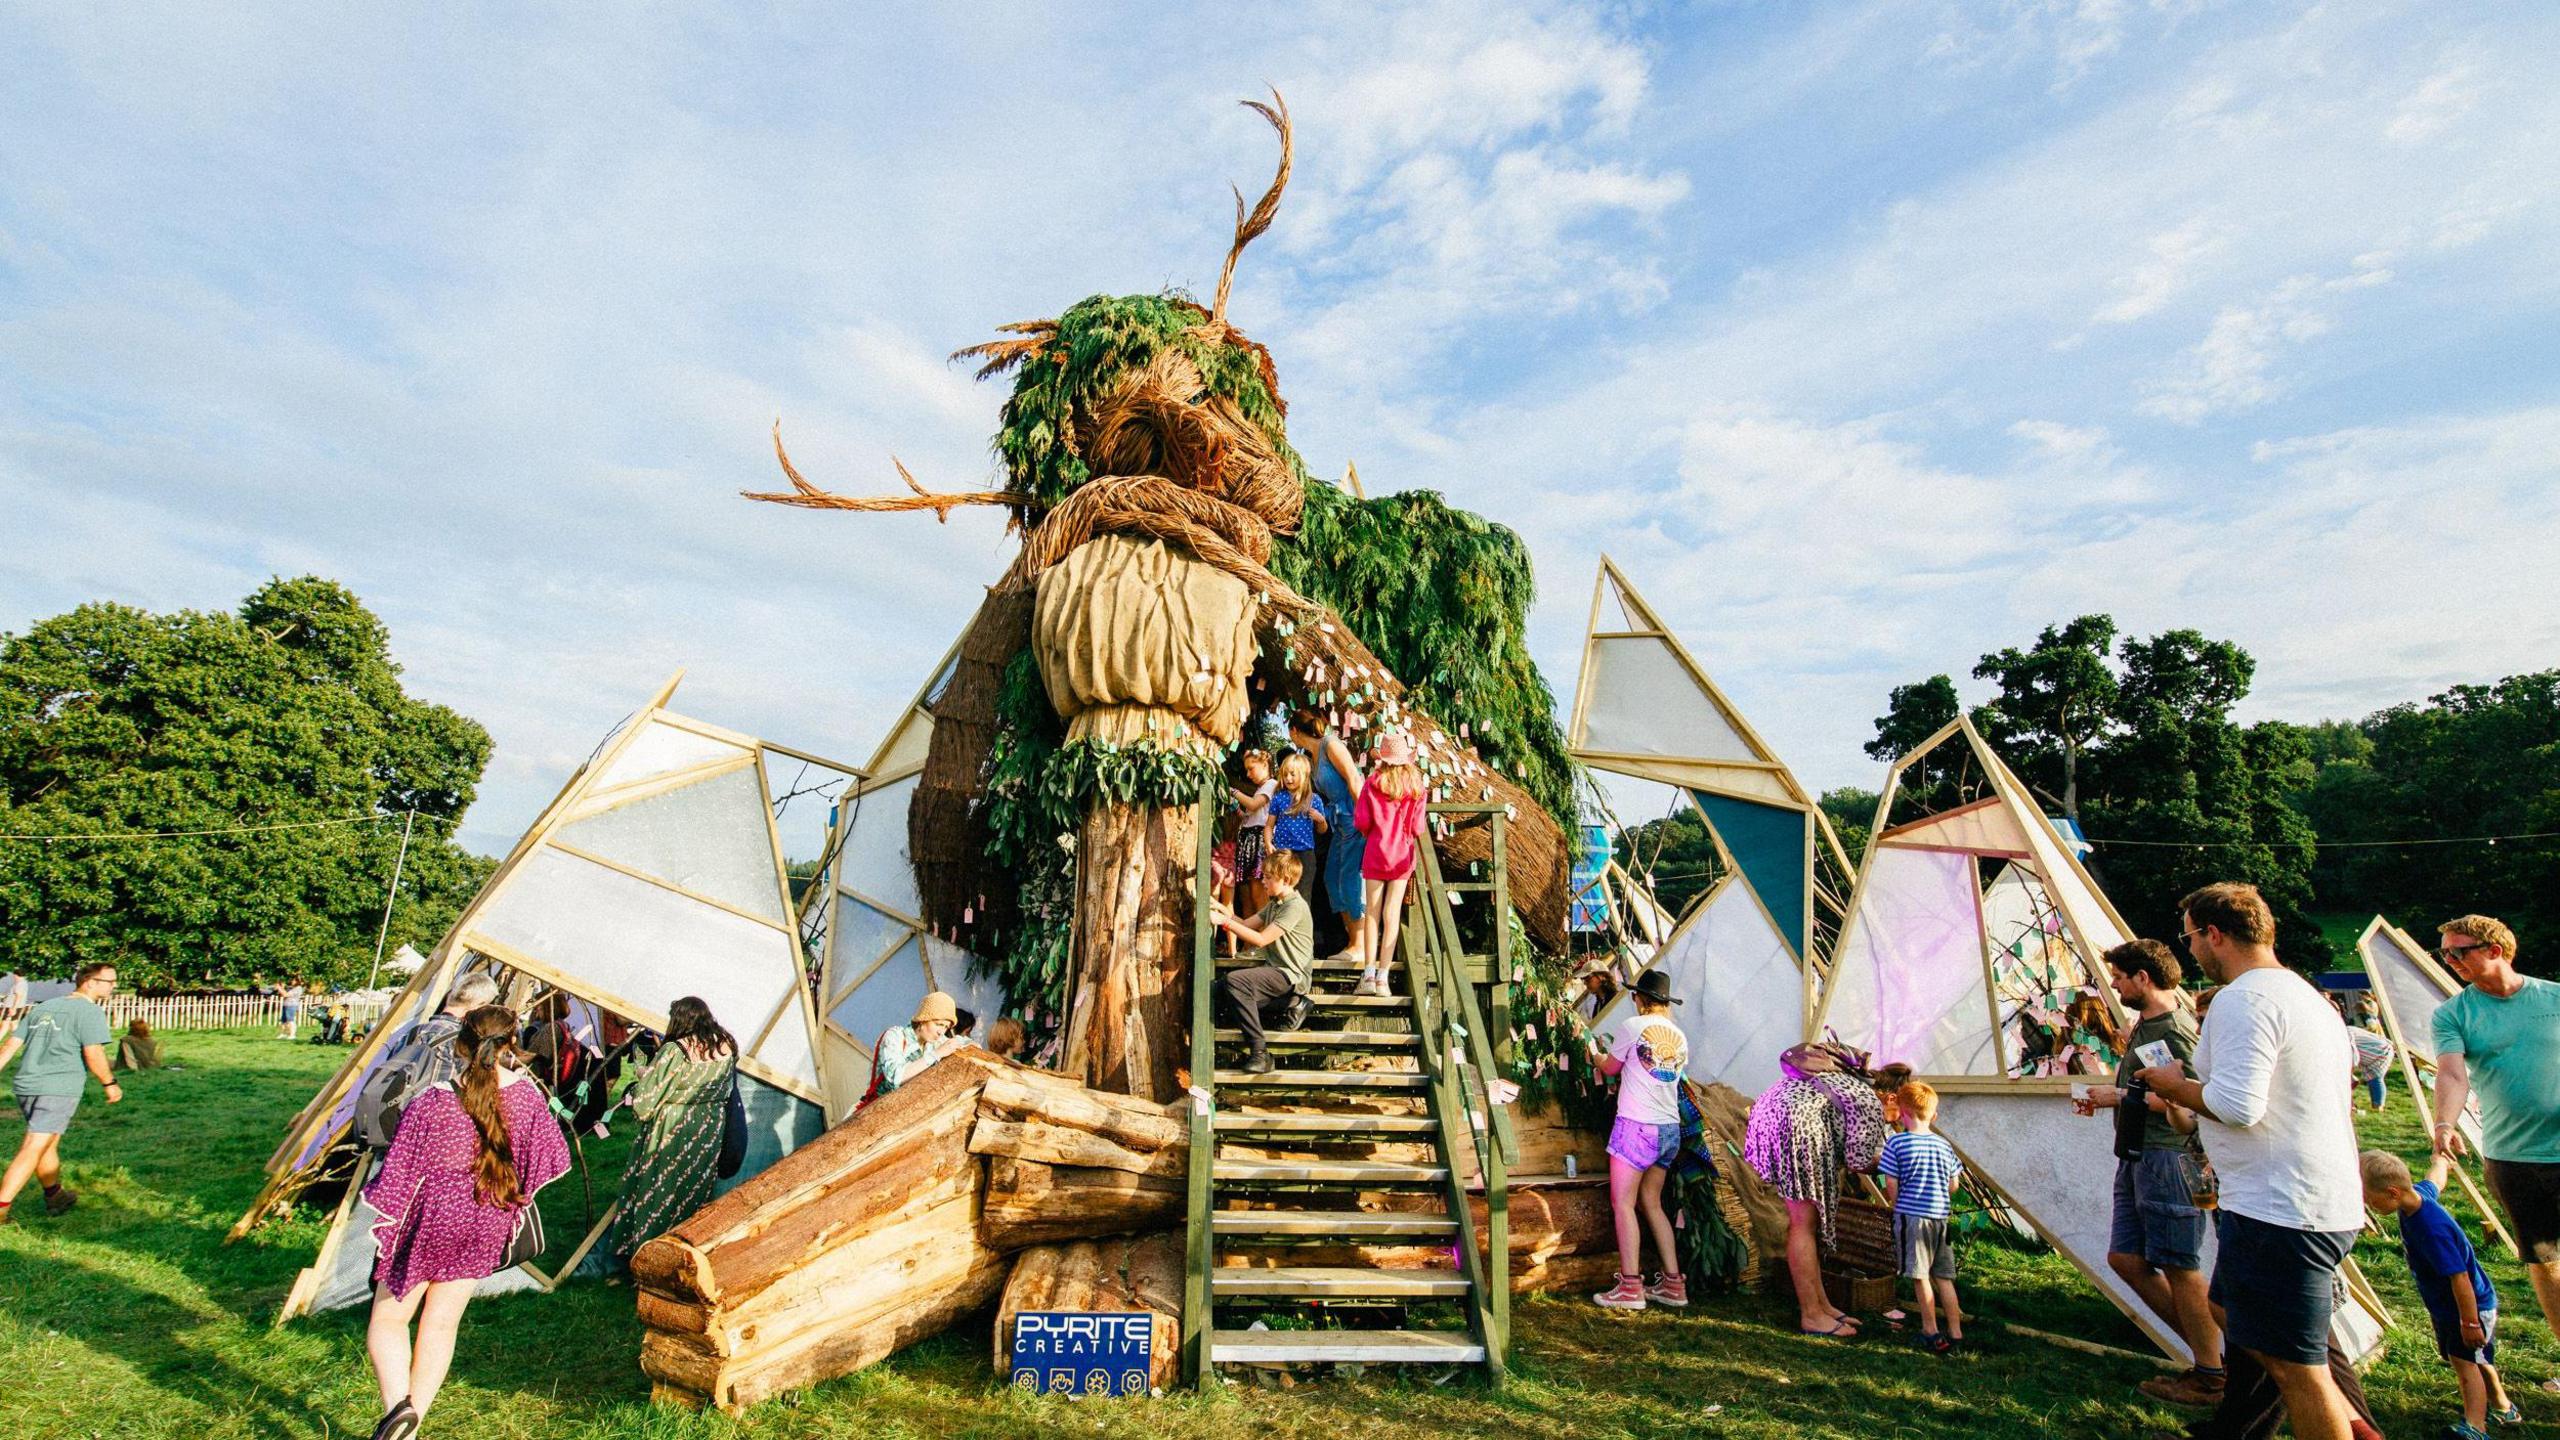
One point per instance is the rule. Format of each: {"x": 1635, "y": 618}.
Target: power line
{"x": 2332, "y": 844}
{"x": 236, "y": 829}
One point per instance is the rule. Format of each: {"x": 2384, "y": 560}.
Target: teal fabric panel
{"x": 1768, "y": 843}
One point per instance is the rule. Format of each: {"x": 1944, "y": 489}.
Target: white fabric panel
{"x": 2059, "y": 1168}
{"x": 661, "y": 749}
{"x": 633, "y": 940}
{"x": 980, "y": 995}
{"x": 1748, "y": 782}
{"x": 2073, "y": 895}
{"x": 888, "y": 998}
{"x": 848, "y": 1076}
{"x": 2409, "y": 999}
{"x": 862, "y": 936}
{"x": 1991, "y": 828}
{"x": 1743, "y": 998}
{"x": 1644, "y": 702}
{"x": 1907, "y": 980}
{"x": 713, "y": 838}
{"x": 873, "y": 861}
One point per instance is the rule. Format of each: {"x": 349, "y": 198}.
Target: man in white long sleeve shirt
{"x": 2281, "y": 1131}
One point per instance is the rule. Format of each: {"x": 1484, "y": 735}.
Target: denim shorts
{"x": 2155, "y": 1213}
{"x": 2277, "y": 1286}
{"x": 48, "y": 1114}
{"x": 1646, "y": 1147}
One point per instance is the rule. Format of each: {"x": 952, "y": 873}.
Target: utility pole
{"x": 384, "y": 935}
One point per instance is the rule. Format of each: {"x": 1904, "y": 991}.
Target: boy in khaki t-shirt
{"x": 1285, "y": 932}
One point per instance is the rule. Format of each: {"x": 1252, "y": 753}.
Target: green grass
{"x": 130, "y": 1318}
{"x": 2343, "y": 929}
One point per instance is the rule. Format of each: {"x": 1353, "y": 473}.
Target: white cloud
{"x": 2232, "y": 368}
{"x": 2174, "y": 256}
{"x": 2432, "y": 108}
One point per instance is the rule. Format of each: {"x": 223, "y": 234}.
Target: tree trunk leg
{"x": 1129, "y": 1015}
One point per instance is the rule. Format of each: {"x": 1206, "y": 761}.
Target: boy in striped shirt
{"x": 1920, "y": 1170}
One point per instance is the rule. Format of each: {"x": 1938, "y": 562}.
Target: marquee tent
{"x": 877, "y": 955}
{"x": 1751, "y": 948}
{"x": 655, "y": 873}
{"x": 1963, "y": 975}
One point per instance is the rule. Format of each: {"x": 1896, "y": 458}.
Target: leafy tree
{"x": 1852, "y": 811}
{"x": 289, "y": 715}
{"x": 2135, "y": 741}
{"x": 1675, "y": 853}
{"x": 1912, "y": 714}
{"x": 2476, "y": 760}
{"x": 2056, "y": 701}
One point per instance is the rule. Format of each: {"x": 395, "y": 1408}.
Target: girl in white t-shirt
{"x": 1650, "y": 1057}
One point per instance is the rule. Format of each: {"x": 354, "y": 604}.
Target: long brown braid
{"x": 488, "y": 1041}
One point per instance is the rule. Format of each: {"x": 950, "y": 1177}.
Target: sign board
{"x": 1591, "y": 856}
{"x": 1082, "y": 1352}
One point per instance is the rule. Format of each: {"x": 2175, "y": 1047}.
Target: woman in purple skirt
{"x": 466, "y": 1161}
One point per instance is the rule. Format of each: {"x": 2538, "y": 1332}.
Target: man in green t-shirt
{"x": 1285, "y": 932}
{"x": 2156, "y": 1239}
{"x": 65, "y": 1040}
{"x": 2500, "y": 1038}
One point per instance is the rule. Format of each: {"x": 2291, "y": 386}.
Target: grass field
{"x": 130, "y": 1318}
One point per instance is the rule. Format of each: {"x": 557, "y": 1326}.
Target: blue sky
{"x": 1866, "y": 337}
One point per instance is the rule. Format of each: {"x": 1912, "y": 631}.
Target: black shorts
{"x": 2530, "y": 1194}
{"x": 2277, "y": 1286}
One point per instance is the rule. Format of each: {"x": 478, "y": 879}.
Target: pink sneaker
{"x": 1627, "y": 1294}
{"x": 1671, "y": 1290}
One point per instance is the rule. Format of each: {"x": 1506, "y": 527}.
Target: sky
{"x": 1866, "y": 338}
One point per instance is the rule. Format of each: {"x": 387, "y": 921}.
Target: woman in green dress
{"x": 681, "y": 1101}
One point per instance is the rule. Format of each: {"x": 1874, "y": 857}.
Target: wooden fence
{"x": 226, "y": 1012}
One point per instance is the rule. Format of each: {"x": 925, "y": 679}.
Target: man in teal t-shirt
{"x": 2500, "y": 1039}
{"x": 66, "y": 1040}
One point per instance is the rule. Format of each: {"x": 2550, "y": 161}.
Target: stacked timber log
{"x": 985, "y": 1181}
{"x": 886, "y": 1229}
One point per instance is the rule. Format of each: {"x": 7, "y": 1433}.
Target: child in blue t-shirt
{"x": 2460, "y": 1299}
{"x": 1920, "y": 1170}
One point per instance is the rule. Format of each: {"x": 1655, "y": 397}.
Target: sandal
{"x": 398, "y": 1423}
{"x": 1843, "y": 1328}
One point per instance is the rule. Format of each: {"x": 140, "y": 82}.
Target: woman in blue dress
{"x": 1338, "y": 780}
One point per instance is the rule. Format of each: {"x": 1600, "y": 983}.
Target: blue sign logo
{"x": 1082, "y": 1352}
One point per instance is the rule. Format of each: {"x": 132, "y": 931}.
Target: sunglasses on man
{"x": 2451, "y": 954}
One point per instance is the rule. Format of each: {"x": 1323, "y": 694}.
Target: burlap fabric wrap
{"x": 1139, "y": 641}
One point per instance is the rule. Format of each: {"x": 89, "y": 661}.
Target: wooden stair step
{"x": 1409, "y": 1081}
{"x": 1344, "y": 1347}
{"x": 1327, "y": 1282}
{"x": 1233, "y": 1122}
{"x": 1345, "y": 1000}
{"x": 1325, "y": 1172}
{"x": 1323, "y": 965}
{"x": 1351, "y": 1225}
{"x": 1330, "y": 1039}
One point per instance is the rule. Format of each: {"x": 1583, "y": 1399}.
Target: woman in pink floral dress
{"x": 466, "y": 1161}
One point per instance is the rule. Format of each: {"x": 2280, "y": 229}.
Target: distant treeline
{"x": 2133, "y": 739}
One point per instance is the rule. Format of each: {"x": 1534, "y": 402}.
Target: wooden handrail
{"x": 1199, "y": 1253}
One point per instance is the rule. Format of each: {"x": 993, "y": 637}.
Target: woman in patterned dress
{"x": 682, "y": 1100}
{"x": 1820, "y": 1119}
{"x": 466, "y": 1161}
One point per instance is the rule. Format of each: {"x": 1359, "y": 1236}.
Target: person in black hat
{"x": 1650, "y": 1057}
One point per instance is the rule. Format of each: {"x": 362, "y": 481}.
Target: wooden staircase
{"x": 1350, "y": 1145}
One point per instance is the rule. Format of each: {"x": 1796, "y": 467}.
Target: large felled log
{"x": 855, "y": 1245}
{"x": 1113, "y": 1276}
{"x": 1136, "y": 1125}
{"x": 1029, "y": 1203}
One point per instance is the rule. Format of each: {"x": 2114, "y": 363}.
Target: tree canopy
{"x": 2134, "y": 739}
{"x": 2475, "y": 761}
{"x": 288, "y": 714}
